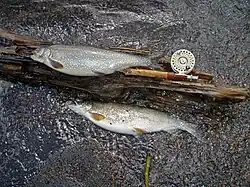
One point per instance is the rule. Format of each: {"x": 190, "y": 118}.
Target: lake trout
{"x": 87, "y": 61}
{"x": 128, "y": 119}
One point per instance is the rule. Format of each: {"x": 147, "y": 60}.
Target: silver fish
{"x": 86, "y": 61}
{"x": 128, "y": 119}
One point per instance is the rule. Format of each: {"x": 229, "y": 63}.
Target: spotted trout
{"x": 87, "y": 61}
{"x": 128, "y": 119}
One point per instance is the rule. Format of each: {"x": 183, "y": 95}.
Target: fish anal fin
{"x": 97, "y": 116}
{"x": 98, "y": 73}
{"x": 172, "y": 131}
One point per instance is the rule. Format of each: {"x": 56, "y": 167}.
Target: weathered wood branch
{"x": 15, "y": 63}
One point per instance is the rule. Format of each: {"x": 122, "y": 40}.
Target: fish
{"x": 129, "y": 119}
{"x": 86, "y": 60}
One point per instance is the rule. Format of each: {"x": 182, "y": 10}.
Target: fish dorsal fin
{"x": 139, "y": 130}
{"x": 55, "y": 64}
{"x": 97, "y": 116}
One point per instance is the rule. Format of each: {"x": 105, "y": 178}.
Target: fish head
{"x": 41, "y": 54}
{"x": 82, "y": 109}
{"x": 87, "y": 105}
{"x": 44, "y": 55}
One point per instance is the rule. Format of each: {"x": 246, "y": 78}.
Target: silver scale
{"x": 182, "y": 62}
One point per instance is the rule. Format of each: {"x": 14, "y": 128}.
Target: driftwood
{"x": 15, "y": 64}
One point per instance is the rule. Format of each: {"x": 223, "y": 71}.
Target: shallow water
{"x": 43, "y": 143}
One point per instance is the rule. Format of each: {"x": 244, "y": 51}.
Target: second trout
{"x": 128, "y": 119}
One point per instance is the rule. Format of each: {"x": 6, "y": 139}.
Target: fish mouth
{"x": 77, "y": 109}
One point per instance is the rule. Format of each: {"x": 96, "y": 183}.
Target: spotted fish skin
{"x": 128, "y": 119}
{"x": 86, "y": 61}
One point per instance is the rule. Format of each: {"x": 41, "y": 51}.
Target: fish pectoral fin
{"x": 55, "y": 64}
{"x": 172, "y": 131}
{"x": 97, "y": 117}
{"x": 139, "y": 130}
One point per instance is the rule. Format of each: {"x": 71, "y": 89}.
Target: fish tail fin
{"x": 156, "y": 66}
{"x": 192, "y": 129}
{"x": 154, "y": 62}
